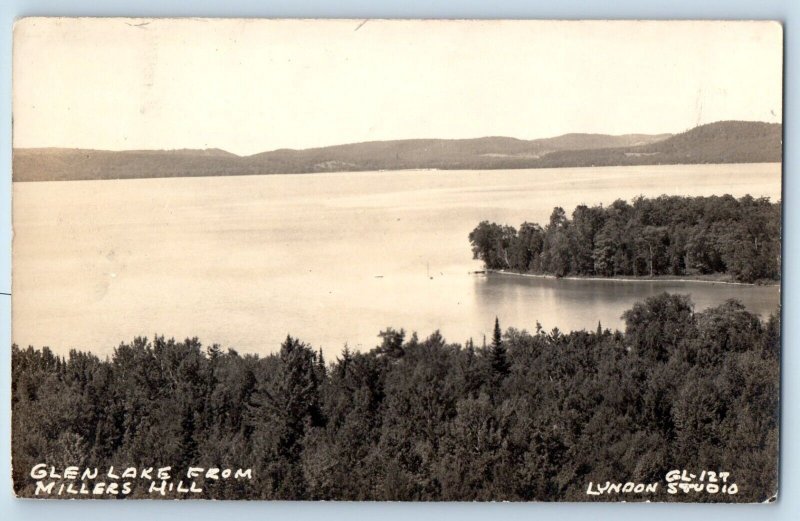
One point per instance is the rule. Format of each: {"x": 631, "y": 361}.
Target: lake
{"x": 329, "y": 258}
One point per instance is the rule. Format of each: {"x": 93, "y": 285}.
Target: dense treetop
{"x": 530, "y": 416}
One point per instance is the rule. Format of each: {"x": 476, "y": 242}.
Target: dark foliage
{"x": 529, "y": 417}
{"x": 668, "y": 235}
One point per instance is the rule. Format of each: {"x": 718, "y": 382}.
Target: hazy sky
{"x": 249, "y": 86}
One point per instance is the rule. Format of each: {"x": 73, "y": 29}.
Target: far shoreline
{"x": 628, "y": 278}
{"x": 390, "y": 170}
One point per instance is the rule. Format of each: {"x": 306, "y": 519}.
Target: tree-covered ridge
{"x": 712, "y": 143}
{"x": 530, "y": 416}
{"x": 667, "y": 235}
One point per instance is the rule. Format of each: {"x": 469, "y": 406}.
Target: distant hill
{"x": 721, "y": 142}
{"x": 64, "y": 164}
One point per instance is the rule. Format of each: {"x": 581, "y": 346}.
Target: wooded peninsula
{"x": 720, "y": 236}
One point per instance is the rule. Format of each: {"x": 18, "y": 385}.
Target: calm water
{"x": 330, "y": 258}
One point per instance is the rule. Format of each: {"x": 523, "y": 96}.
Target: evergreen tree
{"x": 322, "y": 370}
{"x": 498, "y": 355}
{"x": 287, "y": 407}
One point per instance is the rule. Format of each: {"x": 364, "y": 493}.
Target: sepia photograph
{"x": 396, "y": 260}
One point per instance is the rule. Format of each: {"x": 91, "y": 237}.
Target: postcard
{"x": 396, "y": 260}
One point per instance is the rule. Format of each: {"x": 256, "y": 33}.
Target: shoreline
{"x": 629, "y": 278}
{"x": 388, "y": 170}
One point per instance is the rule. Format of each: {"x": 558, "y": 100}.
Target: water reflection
{"x": 579, "y": 304}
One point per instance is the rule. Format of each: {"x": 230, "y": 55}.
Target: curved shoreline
{"x": 629, "y": 279}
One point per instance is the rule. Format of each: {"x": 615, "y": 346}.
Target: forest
{"x": 718, "y": 236}
{"x": 532, "y": 416}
